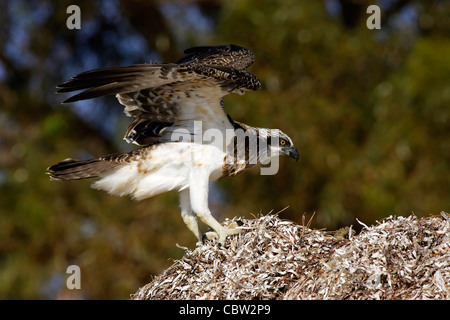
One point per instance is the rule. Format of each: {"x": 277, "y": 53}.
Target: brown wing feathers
{"x": 225, "y": 64}
{"x": 102, "y": 82}
{"x": 230, "y": 56}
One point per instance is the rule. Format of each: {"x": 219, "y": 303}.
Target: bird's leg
{"x": 199, "y": 204}
{"x": 188, "y": 216}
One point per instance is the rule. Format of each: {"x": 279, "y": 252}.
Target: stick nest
{"x": 400, "y": 258}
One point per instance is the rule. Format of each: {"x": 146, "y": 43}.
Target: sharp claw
{"x": 222, "y": 234}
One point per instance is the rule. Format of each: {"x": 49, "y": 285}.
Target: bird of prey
{"x": 187, "y": 140}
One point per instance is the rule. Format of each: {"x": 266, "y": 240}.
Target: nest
{"x": 400, "y": 258}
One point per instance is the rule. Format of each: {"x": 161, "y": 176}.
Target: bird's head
{"x": 282, "y": 144}
{"x": 279, "y": 143}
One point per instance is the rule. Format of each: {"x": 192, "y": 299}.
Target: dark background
{"x": 369, "y": 111}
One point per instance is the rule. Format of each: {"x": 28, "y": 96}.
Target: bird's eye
{"x": 282, "y": 142}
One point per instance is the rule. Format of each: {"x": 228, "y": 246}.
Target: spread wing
{"x": 162, "y": 95}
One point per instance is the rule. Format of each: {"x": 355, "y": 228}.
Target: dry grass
{"x": 400, "y": 258}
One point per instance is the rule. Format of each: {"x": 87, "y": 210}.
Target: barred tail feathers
{"x": 142, "y": 173}
{"x": 71, "y": 169}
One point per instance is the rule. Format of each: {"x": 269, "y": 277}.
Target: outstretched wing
{"x": 162, "y": 95}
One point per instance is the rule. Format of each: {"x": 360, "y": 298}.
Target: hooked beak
{"x": 293, "y": 153}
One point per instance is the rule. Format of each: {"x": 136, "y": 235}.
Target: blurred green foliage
{"x": 369, "y": 111}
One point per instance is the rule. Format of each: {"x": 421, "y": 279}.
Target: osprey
{"x": 187, "y": 140}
